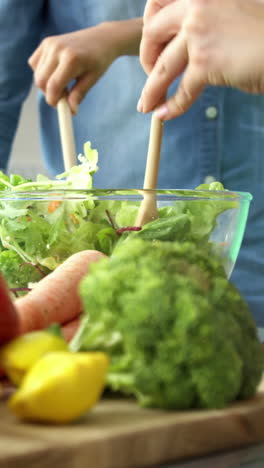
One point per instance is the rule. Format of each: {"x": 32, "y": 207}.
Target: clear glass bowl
{"x": 44, "y": 227}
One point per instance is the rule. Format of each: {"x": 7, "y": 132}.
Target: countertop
{"x": 247, "y": 457}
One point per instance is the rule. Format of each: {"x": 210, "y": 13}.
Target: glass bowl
{"x": 40, "y": 229}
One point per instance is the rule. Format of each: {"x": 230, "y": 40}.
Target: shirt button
{"x": 209, "y": 179}
{"x": 211, "y": 112}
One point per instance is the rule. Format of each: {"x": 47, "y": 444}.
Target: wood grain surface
{"x": 119, "y": 434}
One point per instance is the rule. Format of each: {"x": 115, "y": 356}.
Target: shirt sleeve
{"x": 21, "y": 24}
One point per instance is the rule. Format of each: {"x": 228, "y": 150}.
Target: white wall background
{"x": 25, "y": 157}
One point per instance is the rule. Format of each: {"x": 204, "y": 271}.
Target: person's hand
{"x": 83, "y": 56}
{"x": 161, "y": 23}
{"x": 216, "y": 42}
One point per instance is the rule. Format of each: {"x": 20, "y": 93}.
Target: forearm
{"x": 125, "y": 35}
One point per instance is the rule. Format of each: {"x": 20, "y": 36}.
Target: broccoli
{"x": 178, "y": 332}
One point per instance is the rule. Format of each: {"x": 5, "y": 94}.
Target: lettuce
{"x": 17, "y": 273}
{"x": 46, "y": 232}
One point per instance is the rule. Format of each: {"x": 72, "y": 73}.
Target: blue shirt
{"x": 221, "y": 136}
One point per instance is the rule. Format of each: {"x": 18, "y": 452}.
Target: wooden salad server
{"x": 66, "y": 133}
{"x": 148, "y": 207}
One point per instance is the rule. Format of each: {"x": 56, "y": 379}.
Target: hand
{"x": 216, "y": 42}
{"x": 83, "y": 56}
{"x": 159, "y": 29}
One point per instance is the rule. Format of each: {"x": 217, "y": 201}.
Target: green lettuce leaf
{"x": 17, "y": 273}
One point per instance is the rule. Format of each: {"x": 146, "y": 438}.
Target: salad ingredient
{"x": 19, "y": 355}
{"x": 55, "y": 298}
{"x": 45, "y": 233}
{"x": 79, "y": 176}
{"x": 42, "y": 232}
{"x": 70, "y": 328}
{"x": 18, "y": 273}
{"x": 60, "y": 387}
{"x": 171, "y": 228}
{"x": 9, "y": 319}
{"x": 178, "y": 333}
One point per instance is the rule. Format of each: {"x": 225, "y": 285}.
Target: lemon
{"x": 18, "y": 356}
{"x": 60, "y": 387}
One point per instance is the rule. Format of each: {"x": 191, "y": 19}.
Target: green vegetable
{"x": 202, "y": 214}
{"x": 42, "y": 232}
{"x": 178, "y": 333}
{"x": 17, "y": 273}
{"x": 171, "y": 228}
{"x": 55, "y": 329}
{"x": 45, "y": 233}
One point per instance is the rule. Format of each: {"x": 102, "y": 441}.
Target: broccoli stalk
{"x": 178, "y": 332}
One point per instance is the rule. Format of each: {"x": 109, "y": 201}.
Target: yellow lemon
{"x": 19, "y": 355}
{"x": 60, "y": 387}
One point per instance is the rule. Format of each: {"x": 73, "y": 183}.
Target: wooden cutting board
{"x": 119, "y": 434}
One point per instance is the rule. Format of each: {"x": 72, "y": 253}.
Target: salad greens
{"x": 78, "y": 177}
{"x": 19, "y": 274}
{"x": 45, "y": 231}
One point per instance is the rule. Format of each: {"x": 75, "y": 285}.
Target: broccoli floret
{"x": 178, "y": 332}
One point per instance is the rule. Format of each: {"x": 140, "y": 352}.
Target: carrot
{"x": 53, "y": 205}
{"x": 73, "y": 218}
{"x": 9, "y": 319}
{"x": 55, "y": 298}
{"x": 70, "y": 328}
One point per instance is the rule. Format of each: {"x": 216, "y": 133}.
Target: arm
{"x": 20, "y": 23}
{"x": 83, "y": 56}
{"x": 126, "y": 35}
{"x": 216, "y": 42}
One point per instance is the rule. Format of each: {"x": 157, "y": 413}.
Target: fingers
{"x": 190, "y": 88}
{"x": 158, "y": 31}
{"x": 169, "y": 66}
{"x": 167, "y": 52}
{"x": 34, "y": 58}
{"x": 54, "y": 67}
{"x": 80, "y": 89}
{"x": 57, "y": 84}
{"x": 45, "y": 67}
{"x": 154, "y": 6}
{"x": 63, "y": 58}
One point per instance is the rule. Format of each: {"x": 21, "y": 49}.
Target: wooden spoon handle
{"x": 153, "y": 156}
{"x": 66, "y": 133}
{"x": 148, "y": 208}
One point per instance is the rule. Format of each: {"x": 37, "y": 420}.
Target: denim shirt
{"x": 221, "y": 137}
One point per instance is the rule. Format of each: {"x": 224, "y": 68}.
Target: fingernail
{"x": 162, "y": 112}
{"x": 75, "y": 108}
{"x": 139, "y": 105}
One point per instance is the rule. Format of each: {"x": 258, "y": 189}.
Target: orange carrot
{"x": 53, "y": 205}
{"x": 55, "y": 298}
{"x": 70, "y": 328}
{"x": 73, "y": 218}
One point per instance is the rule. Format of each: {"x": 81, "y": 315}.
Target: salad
{"x": 37, "y": 235}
